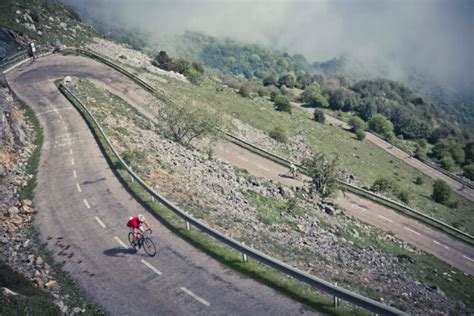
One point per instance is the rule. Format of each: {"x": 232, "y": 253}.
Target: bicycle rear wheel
{"x": 149, "y": 247}
{"x": 131, "y": 240}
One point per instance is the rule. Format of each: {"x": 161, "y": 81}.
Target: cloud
{"x": 432, "y": 37}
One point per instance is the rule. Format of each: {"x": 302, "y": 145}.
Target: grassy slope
{"x": 363, "y": 159}
{"x": 425, "y": 268}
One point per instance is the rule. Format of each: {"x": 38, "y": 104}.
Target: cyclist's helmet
{"x": 141, "y": 218}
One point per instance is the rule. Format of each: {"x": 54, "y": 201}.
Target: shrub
{"x": 383, "y": 184}
{"x": 404, "y": 196}
{"x": 244, "y": 91}
{"x": 323, "y": 173}
{"x": 262, "y": 93}
{"x": 469, "y": 171}
{"x": 380, "y": 124}
{"x": 282, "y": 104}
{"x": 360, "y": 134}
{"x": 279, "y": 135}
{"x": 356, "y": 123}
{"x": 441, "y": 192}
{"x": 447, "y": 163}
{"x": 319, "y": 116}
{"x": 419, "y": 180}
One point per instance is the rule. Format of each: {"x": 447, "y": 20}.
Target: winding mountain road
{"x": 82, "y": 211}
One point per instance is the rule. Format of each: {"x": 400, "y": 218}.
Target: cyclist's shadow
{"x": 119, "y": 252}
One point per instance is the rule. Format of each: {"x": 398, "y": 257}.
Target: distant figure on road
{"x": 33, "y": 49}
{"x": 293, "y": 170}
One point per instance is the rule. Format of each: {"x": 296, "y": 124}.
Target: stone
{"x": 39, "y": 261}
{"x": 50, "y": 284}
{"x": 26, "y": 203}
{"x": 12, "y": 211}
{"x": 77, "y": 310}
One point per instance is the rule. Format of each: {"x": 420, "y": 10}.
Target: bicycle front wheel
{"x": 149, "y": 247}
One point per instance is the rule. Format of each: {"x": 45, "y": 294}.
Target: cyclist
{"x": 293, "y": 170}
{"x": 136, "y": 223}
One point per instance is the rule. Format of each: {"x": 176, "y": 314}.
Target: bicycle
{"x": 295, "y": 175}
{"x": 142, "y": 241}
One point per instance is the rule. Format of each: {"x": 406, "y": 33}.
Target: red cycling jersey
{"x": 133, "y": 222}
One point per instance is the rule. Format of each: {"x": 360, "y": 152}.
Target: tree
{"x": 380, "y": 124}
{"x": 282, "y": 104}
{"x": 469, "y": 171}
{"x": 323, "y": 173}
{"x": 360, "y": 134}
{"x": 288, "y": 80}
{"x": 312, "y": 96}
{"x": 244, "y": 91}
{"x": 183, "y": 124}
{"x": 441, "y": 192}
{"x": 319, "y": 116}
{"x": 269, "y": 81}
{"x": 163, "y": 61}
{"x": 447, "y": 163}
{"x": 356, "y": 123}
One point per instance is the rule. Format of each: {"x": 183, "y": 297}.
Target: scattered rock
{"x": 50, "y": 283}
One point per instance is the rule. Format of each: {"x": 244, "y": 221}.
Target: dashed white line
{"x": 466, "y": 257}
{"x": 78, "y": 187}
{"x": 197, "y": 298}
{"x": 72, "y": 161}
{"x": 120, "y": 242}
{"x": 384, "y": 218}
{"x": 440, "y": 244}
{"x": 263, "y": 168}
{"x": 86, "y": 203}
{"x": 151, "y": 267}
{"x": 413, "y": 231}
{"x": 74, "y": 173}
{"x": 242, "y": 158}
{"x": 100, "y": 222}
{"x": 70, "y": 151}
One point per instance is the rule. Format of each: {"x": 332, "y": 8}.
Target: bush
{"x": 385, "y": 185}
{"x": 447, "y": 163}
{"x": 323, "y": 173}
{"x": 282, "y": 104}
{"x": 356, "y": 123}
{"x": 360, "y": 134}
{"x": 319, "y": 116}
{"x": 404, "y": 196}
{"x": 419, "y": 180}
{"x": 244, "y": 91}
{"x": 279, "y": 135}
{"x": 262, "y": 93}
{"x": 380, "y": 124}
{"x": 441, "y": 192}
{"x": 469, "y": 171}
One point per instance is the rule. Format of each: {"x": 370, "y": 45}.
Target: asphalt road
{"x": 82, "y": 211}
{"x": 431, "y": 172}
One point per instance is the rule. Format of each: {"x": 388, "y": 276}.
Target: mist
{"x": 394, "y": 39}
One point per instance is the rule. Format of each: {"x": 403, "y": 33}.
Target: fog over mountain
{"x": 394, "y": 39}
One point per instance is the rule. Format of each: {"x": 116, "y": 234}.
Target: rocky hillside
{"x": 46, "y": 21}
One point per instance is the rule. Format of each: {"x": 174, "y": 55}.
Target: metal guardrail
{"x": 313, "y": 281}
{"x": 20, "y": 56}
{"x": 452, "y": 231}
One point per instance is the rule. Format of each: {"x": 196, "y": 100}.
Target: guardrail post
{"x": 187, "y": 226}
{"x": 335, "y": 298}
{"x": 244, "y": 256}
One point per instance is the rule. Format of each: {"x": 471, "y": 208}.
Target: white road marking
{"x": 100, "y": 222}
{"x": 411, "y": 230}
{"x": 86, "y": 203}
{"x": 120, "y": 242}
{"x": 74, "y": 173}
{"x": 72, "y": 161}
{"x": 263, "y": 168}
{"x": 242, "y": 158}
{"x": 384, "y": 218}
{"x": 359, "y": 207}
{"x": 440, "y": 244}
{"x": 151, "y": 267}
{"x": 70, "y": 151}
{"x": 466, "y": 257}
{"x": 197, "y": 298}
{"x": 78, "y": 187}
